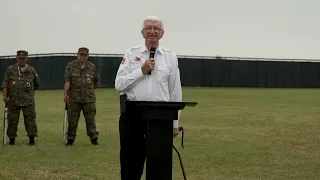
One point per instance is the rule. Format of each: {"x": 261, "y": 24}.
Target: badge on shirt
{"x": 88, "y": 80}
{"x": 123, "y": 60}
{"x": 28, "y": 84}
{"x": 137, "y": 59}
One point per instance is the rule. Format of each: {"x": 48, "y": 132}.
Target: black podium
{"x": 159, "y": 137}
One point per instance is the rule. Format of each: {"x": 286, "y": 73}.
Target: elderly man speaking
{"x": 140, "y": 78}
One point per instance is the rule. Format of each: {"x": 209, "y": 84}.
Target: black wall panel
{"x": 194, "y": 72}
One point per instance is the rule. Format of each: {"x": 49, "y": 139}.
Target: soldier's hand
{"x": 66, "y": 98}
{"x": 148, "y": 66}
{"x": 5, "y": 99}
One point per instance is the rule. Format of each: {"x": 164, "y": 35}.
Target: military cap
{"x": 22, "y": 53}
{"x": 83, "y": 50}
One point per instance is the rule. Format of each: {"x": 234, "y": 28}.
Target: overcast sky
{"x": 246, "y": 28}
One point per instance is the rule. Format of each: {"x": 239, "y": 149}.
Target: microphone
{"x": 152, "y": 52}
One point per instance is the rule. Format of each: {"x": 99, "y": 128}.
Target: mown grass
{"x": 233, "y": 133}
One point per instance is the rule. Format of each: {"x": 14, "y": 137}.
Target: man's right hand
{"x": 66, "y": 98}
{"x": 5, "y": 99}
{"x": 148, "y": 66}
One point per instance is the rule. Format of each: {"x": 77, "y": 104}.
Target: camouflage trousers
{"x": 89, "y": 112}
{"x": 29, "y": 115}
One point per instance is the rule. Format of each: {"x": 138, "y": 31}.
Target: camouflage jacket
{"x": 21, "y": 85}
{"x": 82, "y": 81}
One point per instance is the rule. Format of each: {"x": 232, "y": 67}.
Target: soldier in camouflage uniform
{"x": 19, "y": 85}
{"x": 81, "y": 78}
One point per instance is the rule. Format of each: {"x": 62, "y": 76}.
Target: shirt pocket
{"x": 75, "y": 76}
{"x": 163, "y": 74}
{"x": 28, "y": 83}
{"x": 134, "y": 66}
{"x": 14, "y": 80}
{"x": 75, "y": 80}
{"x": 89, "y": 78}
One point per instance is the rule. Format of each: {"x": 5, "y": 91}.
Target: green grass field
{"x": 234, "y": 133}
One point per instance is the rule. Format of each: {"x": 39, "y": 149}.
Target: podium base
{"x": 159, "y": 143}
{"x": 158, "y": 117}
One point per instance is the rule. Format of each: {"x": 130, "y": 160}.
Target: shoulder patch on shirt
{"x": 123, "y": 60}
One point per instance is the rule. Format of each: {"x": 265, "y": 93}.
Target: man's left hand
{"x": 175, "y": 132}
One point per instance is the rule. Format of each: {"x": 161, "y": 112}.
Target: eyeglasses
{"x": 154, "y": 28}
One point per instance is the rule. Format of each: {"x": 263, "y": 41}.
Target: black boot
{"x": 31, "y": 140}
{"x": 12, "y": 141}
{"x": 94, "y": 141}
{"x": 70, "y": 142}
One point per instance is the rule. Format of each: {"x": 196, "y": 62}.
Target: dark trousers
{"x": 29, "y": 114}
{"x": 132, "y": 146}
{"x": 89, "y": 112}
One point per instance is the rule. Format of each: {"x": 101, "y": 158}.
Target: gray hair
{"x": 152, "y": 18}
